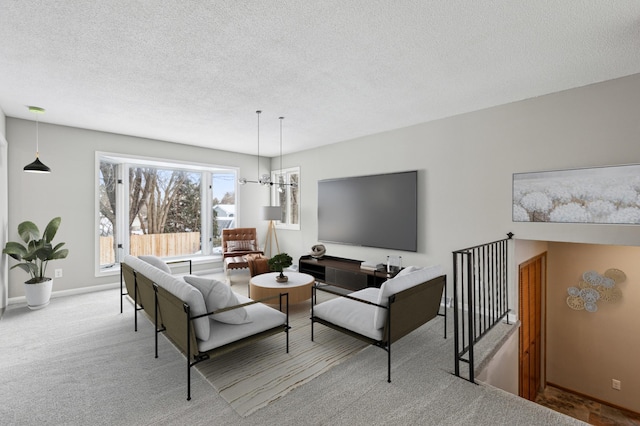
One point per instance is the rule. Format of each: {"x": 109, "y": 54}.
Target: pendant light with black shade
{"x": 37, "y": 166}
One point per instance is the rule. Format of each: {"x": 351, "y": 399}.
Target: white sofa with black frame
{"x": 381, "y": 316}
{"x": 201, "y": 315}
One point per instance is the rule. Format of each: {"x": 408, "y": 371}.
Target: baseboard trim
{"x": 21, "y": 300}
{"x": 63, "y": 293}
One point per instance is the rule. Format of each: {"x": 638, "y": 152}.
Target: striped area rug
{"x": 257, "y": 374}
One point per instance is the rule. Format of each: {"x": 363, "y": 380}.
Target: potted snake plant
{"x": 34, "y": 253}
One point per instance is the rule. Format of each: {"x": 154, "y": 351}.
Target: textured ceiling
{"x": 194, "y": 72}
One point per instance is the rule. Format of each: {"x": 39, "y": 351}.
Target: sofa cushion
{"x": 157, "y": 262}
{"x": 264, "y": 318}
{"x": 402, "y": 281}
{"x": 179, "y": 288}
{"x": 351, "y": 314}
{"x": 241, "y": 245}
{"x": 218, "y": 295}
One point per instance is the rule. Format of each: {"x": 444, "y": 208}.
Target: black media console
{"x": 341, "y": 272}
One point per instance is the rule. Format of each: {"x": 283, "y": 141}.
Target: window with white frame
{"x": 160, "y": 207}
{"x": 286, "y": 193}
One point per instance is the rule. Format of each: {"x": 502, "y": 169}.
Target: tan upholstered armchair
{"x": 237, "y": 243}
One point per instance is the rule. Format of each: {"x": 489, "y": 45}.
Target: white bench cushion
{"x": 263, "y": 316}
{"x": 351, "y": 314}
{"x": 404, "y": 280}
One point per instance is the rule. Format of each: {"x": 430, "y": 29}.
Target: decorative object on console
{"x": 394, "y": 264}
{"x": 317, "y": 251}
{"x": 34, "y": 255}
{"x": 594, "y": 287}
{"x": 37, "y": 166}
{"x": 278, "y": 262}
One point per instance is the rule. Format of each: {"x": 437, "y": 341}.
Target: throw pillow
{"x": 218, "y": 295}
{"x": 400, "y": 283}
{"x": 241, "y": 245}
{"x": 157, "y": 262}
{"x": 179, "y": 288}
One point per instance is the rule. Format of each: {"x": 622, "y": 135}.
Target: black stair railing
{"x": 480, "y": 297}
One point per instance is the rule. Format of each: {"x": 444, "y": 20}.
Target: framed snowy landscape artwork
{"x": 595, "y": 195}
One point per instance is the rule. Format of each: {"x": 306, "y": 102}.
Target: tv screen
{"x": 372, "y": 211}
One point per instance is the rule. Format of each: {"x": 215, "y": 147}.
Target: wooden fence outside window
{"x": 161, "y": 245}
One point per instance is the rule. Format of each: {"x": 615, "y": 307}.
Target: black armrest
{"x": 336, "y": 291}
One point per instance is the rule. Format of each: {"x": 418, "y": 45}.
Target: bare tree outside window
{"x": 107, "y": 207}
{"x": 163, "y": 201}
{"x": 288, "y": 198}
{"x": 164, "y": 214}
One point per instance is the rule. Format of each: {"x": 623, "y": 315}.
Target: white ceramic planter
{"x": 38, "y": 295}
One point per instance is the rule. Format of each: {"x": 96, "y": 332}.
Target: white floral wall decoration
{"x": 594, "y": 195}
{"x": 594, "y": 288}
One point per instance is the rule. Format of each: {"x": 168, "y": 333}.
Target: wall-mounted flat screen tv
{"x": 371, "y": 211}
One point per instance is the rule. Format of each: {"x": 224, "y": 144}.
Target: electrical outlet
{"x": 615, "y": 384}
{"x": 58, "y": 273}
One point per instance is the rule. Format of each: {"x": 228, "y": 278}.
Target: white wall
{"x": 465, "y": 168}
{"x": 69, "y": 191}
{"x": 466, "y": 164}
{"x": 502, "y": 369}
{"x": 4, "y": 214}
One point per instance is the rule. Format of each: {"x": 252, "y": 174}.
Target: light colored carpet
{"x": 255, "y": 375}
{"x": 79, "y": 362}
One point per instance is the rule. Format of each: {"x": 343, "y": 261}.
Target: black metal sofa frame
{"x": 172, "y": 316}
{"x": 407, "y": 310}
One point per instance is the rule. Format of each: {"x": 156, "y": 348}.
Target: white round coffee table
{"x": 265, "y": 285}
